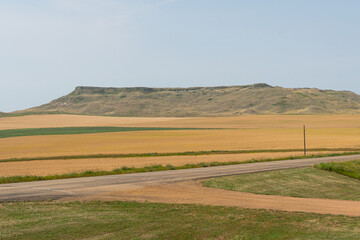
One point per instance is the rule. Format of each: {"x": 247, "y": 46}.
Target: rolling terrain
{"x": 200, "y": 101}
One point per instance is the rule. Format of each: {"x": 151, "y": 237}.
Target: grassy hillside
{"x": 202, "y": 101}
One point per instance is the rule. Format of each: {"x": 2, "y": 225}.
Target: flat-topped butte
{"x": 201, "y": 101}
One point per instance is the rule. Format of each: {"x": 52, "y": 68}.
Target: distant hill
{"x": 201, "y": 101}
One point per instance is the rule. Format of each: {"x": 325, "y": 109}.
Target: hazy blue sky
{"x": 48, "y": 47}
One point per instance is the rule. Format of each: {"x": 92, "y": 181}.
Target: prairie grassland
{"x": 53, "y": 167}
{"x": 133, "y": 220}
{"x": 177, "y": 141}
{"x": 246, "y": 121}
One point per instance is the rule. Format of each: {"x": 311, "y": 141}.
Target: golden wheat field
{"x": 246, "y": 121}
{"x": 232, "y": 133}
{"x": 176, "y": 141}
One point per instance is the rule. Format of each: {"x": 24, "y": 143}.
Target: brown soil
{"x": 193, "y": 192}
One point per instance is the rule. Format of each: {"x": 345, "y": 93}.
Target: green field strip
{"x": 8, "y": 133}
{"x": 346, "y": 151}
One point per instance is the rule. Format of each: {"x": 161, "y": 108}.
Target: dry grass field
{"x": 234, "y": 133}
{"x": 52, "y": 167}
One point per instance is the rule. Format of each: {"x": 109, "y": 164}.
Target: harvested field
{"x": 246, "y": 121}
{"x": 52, "y": 167}
{"x": 176, "y": 141}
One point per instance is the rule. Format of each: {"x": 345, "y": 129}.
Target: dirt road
{"x": 192, "y": 192}
{"x": 90, "y": 186}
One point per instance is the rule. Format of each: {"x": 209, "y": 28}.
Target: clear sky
{"x": 48, "y": 47}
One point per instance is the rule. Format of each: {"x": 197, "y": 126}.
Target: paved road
{"x": 57, "y": 189}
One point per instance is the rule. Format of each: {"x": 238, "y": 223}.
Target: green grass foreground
{"x": 154, "y": 168}
{"x": 306, "y": 182}
{"x": 350, "y": 168}
{"x": 131, "y": 220}
{"x": 7, "y": 133}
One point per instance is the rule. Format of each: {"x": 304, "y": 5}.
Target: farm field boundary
{"x": 64, "y": 166}
{"x": 344, "y": 151}
{"x": 127, "y": 170}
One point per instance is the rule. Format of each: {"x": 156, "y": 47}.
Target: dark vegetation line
{"x": 7, "y": 133}
{"x": 154, "y": 168}
{"x": 346, "y": 151}
{"x": 349, "y": 168}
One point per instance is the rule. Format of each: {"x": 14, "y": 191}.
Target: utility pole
{"x": 304, "y": 140}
